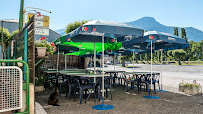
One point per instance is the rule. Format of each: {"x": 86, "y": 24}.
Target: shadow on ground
{"x": 126, "y": 103}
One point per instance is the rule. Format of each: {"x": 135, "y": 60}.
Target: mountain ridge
{"x": 150, "y": 24}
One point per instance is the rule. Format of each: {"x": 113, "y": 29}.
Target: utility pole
{"x": 2, "y": 38}
{"x": 21, "y": 15}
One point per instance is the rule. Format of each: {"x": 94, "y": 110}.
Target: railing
{"x": 23, "y": 46}
{"x": 26, "y": 85}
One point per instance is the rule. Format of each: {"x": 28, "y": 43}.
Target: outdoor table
{"x": 54, "y": 75}
{"x": 88, "y": 75}
{"x": 52, "y": 71}
{"x": 114, "y": 71}
{"x": 142, "y": 73}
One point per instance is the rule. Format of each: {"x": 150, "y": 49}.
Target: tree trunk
{"x": 123, "y": 62}
{"x": 136, "y": 59}
{"x": 179, "y": 61}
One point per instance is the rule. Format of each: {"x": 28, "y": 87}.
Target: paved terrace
{"x": 132, "y": 102}
{"x": 127, "y": 103}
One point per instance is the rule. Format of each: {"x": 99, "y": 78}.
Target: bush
{"x": 191, "y": 85}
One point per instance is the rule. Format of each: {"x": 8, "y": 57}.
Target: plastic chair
{"x": 107, "y": 85}
{"x": 147, "y": 81}
{"x": 129, "y": 79}
{"x": 72, "y": 84}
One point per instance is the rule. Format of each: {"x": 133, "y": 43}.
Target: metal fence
{"x": 72, "y": 62}
{"x": 23, "y": 47}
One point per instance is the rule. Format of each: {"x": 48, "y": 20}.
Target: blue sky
{"x": 183, "y": 13}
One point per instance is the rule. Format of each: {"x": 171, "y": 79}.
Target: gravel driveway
{"x": 172, "y": 74}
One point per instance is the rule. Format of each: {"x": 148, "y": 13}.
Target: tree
{"x": 183, "y": 34}
{"x": 72, "y": 26}
{"x": 14, "y": 33}
{"x": 170, "y": 55}
{"x": 202, "y": 48}
{"x": 125, "y": 58}
{"x": 175, "y": 31}
{"x": 178, "y": 55}
{"x": 6, "y": 36}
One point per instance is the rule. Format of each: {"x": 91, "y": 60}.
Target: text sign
{"x": 40, "y": 21}
{"x": 41, "y": 31}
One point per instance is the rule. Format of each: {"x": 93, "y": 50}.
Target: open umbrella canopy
{"x": 65, "y": 49}
{"x": 160, "y": 40}
{"x": 89, "y": 46}
{"x": 93, "y": 30}
{"x": 79, "y": 53}
{"x": 128, "y": 51}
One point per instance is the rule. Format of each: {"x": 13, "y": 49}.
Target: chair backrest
{"x": 108, "y": 80}
{"x": 156, "y": 76}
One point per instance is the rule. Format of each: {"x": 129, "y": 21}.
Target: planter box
{"x": 193, "y": 91}
{"x": 181, "y": 88}
{"x": 41, "y": 51}
{"x": 39, "y": 88}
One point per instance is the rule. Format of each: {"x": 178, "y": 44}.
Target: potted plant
{"x": 181, "y": 87}
{"x": 43, "y": 46}
{"x": 190, "y": 88}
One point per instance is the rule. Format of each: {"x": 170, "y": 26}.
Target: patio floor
{"x": 126, "y": 103}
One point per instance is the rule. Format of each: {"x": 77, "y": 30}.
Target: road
{"x": 172, "y": 74}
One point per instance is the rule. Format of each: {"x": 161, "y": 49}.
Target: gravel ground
{"x": 169, "y": 102}
{"x": 172, "y": 74}
{"x": 124, "y": 103}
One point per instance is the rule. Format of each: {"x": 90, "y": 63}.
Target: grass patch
{"x": 170, "y": 62}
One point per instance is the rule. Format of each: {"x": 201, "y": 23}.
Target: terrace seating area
{"x": 85, "y": 84}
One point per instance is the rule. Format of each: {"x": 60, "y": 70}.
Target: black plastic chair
{"x": 82, "y": 84}
{"x": 129, "y": 79}
{"x": 147, "y": 81}
{"x": 72, "y": 84}
{"x": 107, "y": 85}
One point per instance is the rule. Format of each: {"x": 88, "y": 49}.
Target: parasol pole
{"x": 103, "y": 106}
{"x": 162, "y": 72}
{"x": 94, "y": 61}
{"x": 103, "y": 68}
{"x": 114, "y": 61}
{"x": 100, "y": 61}
{"x": 58, "y": 61}
{"x": 151, "y": 96}
{"x": 151, "y": 66}
{"x": 133, "y": 59}
{"x": 65, "y": 62}
{"x": 161, "y": 68}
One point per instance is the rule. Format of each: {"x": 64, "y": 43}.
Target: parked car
{"x": 128, "y": 62}
{"x": 109, "y": 63}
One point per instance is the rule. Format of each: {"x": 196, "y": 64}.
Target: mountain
{"x": 61, "y": 31}
{"x": 149, "y": 24}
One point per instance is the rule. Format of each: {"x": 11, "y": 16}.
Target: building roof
{"x": 11, "y": 20}
{"x": 12, "y": 24}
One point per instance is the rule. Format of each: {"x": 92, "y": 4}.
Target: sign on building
{"x": 41, "y": 23}
{"x": 41, "y": 31}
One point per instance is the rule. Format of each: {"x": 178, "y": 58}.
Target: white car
{"x": 127, "y": 62}
{"x": 109, "y": 63}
